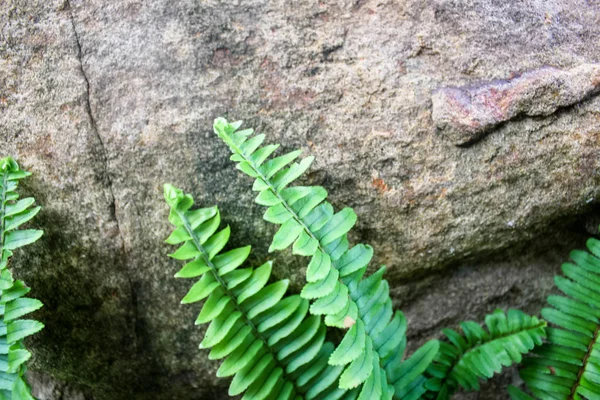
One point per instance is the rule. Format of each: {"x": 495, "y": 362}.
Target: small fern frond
{"x": 478, "y": 354}
{"x": 335, "y": 272}
{"x": 408, "y": 374}
{"x": 13, "y": 304}
{"x": 567, "y": 366}
{"x": 272, "y": 347}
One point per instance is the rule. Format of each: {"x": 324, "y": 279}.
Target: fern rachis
{"x": 339, "y": 290}
{"x": 270, "y": 345}
{"x": 335, "y": 272}
{"x": 479, "y": 354}
{"x": 567, "y": 366}
{"x": 13, "y": 304}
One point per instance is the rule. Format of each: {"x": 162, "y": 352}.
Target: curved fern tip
{"x": 224, "y": 129}
{"x": 172, "y": 195}
{"x": 219, "y": 124}
{"x": 8, "y": 164}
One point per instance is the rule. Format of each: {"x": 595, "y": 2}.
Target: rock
{"x": 47, "y": 388}
{"x": 469, "y": 112}
{"x": 106, "y": 101}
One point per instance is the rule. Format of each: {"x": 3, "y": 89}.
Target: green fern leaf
{"x": 517, "y": 394}
{"x": 567, "y": 366}
{"x": 351, "y": 347}
{"x": 13, "y": 214}
{"x": 478, "y": 354}
{"x": 335, "y": 271}
{"x": 269, "y": 343}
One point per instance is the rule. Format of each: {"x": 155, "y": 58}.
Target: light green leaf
{"x": 214, "y": 305}
{"x": 415, "y": 365}
{"x": 271, "y": 167}
{"x": 19, "y": 219}
{"x": 227, "y": 262}
{"x": 247, "y": 354}
{"x": 360, "y": 369}
{"x": 319, "y": 267}
{"x": 260, "y": 155}
{"x": 217, "y": 242}
{"x": 18, "y": 207}
{"x": 249, "y": 374}
{"x": 19, "y": 307}
{"x": 279, "y": 313}
{"x": 18, "y": 289}
{"x": 337, "y": 226}
{"x": 6, "y": 279}
{"x": 285, "y": 236}
{"x": 256, "y": 282}
{"x": 354, "y": 259}
{"x": 219, "y": 328}
{"x": 201, "y": 289}
{"x": 193, "y": 269}
{"x": 21, "y": 390}
{"x": 201, "y": 215}
{"x": 179, "y": 235}
{"x": 277, "y": 214}
{"x": 187, "y": 251}
{"x": 351, "y": 346}
{"x": 265, "y": 298}
{"x": 318, "y": 289}
{"x": 267, "y": 198}
{"x": 17, "y": 330}
{"x": 232, "y": 342}
{"x": 305, "y": 245}
{"x": 16, "y": 357}
{"x": 332, "y": 303}
{"x": 287, "y": 176}
{"x": 16, "y": 239}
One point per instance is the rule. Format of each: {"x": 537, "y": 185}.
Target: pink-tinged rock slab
{"x": 465, "y": 114}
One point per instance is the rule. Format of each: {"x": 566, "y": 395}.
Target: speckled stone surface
{"x": 467, "y": 113}
{"x": 104, "y": 101}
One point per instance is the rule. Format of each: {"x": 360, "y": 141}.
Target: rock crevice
{"x": 106, "y": 177}
{"x": 106, "y": 101}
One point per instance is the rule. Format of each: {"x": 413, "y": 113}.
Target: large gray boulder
{"x": 104, "y": 101}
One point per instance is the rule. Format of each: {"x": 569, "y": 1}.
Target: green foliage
{"x": 372, "y": 349}
{"x": 13, "y": 304}
{"x": 272, "y": 347}
{"x": 567, "y": 366}
{"x": 478, "y": 354}
{"x": 517, "y": 394}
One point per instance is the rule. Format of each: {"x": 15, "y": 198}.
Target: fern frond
{"x": 13, "y": 304}
{"x": 567, "y": 366}
{"x": 272, "y": 347}
{"x": 335, "y": 272}
{"x": 478, "y": 354}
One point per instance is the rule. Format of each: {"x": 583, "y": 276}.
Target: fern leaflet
{"x": 373, "y": 346}
{"x": 271, "y": 346}
{"x": 567, "y": 366}
{"x": 478, "y": 354}
{"x": 13, "y": 304}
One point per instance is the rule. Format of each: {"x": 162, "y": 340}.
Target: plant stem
{"x": 233, "y": 298}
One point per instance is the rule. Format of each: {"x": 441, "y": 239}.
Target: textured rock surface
{"x": 469, "y": 112}
{"x": 106, "y": 100}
